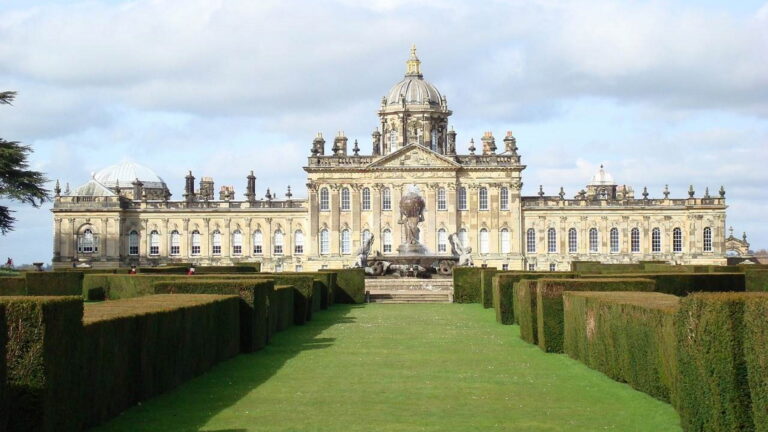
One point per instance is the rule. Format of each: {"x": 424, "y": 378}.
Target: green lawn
{"x": 445, "y": 367}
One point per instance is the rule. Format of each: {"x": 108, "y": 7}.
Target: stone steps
{"x": 409, "y": 290}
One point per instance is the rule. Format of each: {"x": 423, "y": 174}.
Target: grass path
{"x": 448, "y": 368}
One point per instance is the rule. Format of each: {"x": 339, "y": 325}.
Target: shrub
{"x": 525, "y": 309}
{"x": 137, "y": 348}
{"x": 596, "y": 267}
{"x": 486, "y": 286}
{"x": 284, "y": 306}
{"x": 350, "y": 286}
{"x": 44, "y": 362}
{"x": 122, "y": 286}
{"x": 54, "y": 283}
{"x": 503, "y": 291}
{"x": 549, "y": 303}
{"x": 682, "y": 284}
{"x": 756, "y": 280}
{"x": 467, "y": 282}
{"x": 253, "y": 310}
{"x": 13, "y": 286}
{"x": 756, "y": 357}
{"x": 96, "y": 294}
{"x": 628, "y": 336}
{"x": 713, "y": 392}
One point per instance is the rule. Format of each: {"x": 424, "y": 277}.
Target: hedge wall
{"x": 201, "y": 270}
{"x": 525, "y": 309}
{"x": 486, "y": 286}
{"x": 350, "y": 286}
{"x": 682, "y": 284}
{"x": 54, "y": 283}
{"x": 123, "y": 286}
{"x": 756, "y": 357}
{"x": 503, "y": 291}
{"x": 628, "y": 336}
{"x": 283, "y": 306}
{"x": 13, "y": 286}
{"x": 549, "y": 303}
{"x": 137, "y": 348}
{"x": 44, "y": 362}
{"x": 714, "y": 387}
{"x": 253, "y": 306}
{"x": 756, "y": 280}
{"x": 467, "y": 282}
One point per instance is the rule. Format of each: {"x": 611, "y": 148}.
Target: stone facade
{"x": 351, "y": 196}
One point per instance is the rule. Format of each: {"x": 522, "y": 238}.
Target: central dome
{"x": 414, "y": 88}
{"x": 126, "y": 173}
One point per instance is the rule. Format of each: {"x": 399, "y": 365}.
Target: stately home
{"x": 125, "y": 215}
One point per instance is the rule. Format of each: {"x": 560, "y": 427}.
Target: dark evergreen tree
{"x": 17, "y": 181}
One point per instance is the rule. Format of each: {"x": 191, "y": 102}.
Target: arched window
{"x": 593, "y": 240}
{"x": 133, "y": 243}
{"x": 464, "y": 237}
{"x": 504, "y": 240}
{"x": 258, "y": 243}
{"x": 442, "y": 240}
{"x": 614, "y": 239}
{"x": 175, "y": 243}
{"x": 86, "y": 243}
{"x": 386, "y": 199}
{"x": 216, "y": 242}
{"x": 154, "y": 243}
{"x": 392, "y": 140}
{"x": 237, "y": 243}
{"x": 462, "y": 198}
{"x": 677, "y": 240}
{"x": 635, "y": 240}
{"x": 324, "y": 201}
{"x": 483, "y": 198}
{"x": 298, "y": 243}
{"x": 366, "y": 199}
{"x": 365, "y": 236}
{"x": 656, "y": 240}
{"x": 530, "y": 240}
{"x": 386, "y": 240}
{"x": 346, "y": 242}
{"x": 196, "y": 242}
{"x": 707, "y": 239}
{"x": 573, "y": 241}
{"x": 551, "y": 240}
{"x": 441, "y": 203}
{"x": 277, "y": 243}
{"x": 484, "y": 241}
{"x": 504, "y": 198}
{"x": 434, "y": 140}
{"x": 325, "y": 242}
{"x": 345, "y": 199}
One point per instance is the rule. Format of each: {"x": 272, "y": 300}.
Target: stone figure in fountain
{"x": 411, "y": 214}
{"x": 464, "y": 252}
{"x": 362, "y": 253}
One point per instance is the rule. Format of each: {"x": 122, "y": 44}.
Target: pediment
{"x": 414, "y": 156}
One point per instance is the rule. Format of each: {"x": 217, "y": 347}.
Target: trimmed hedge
{"x": 682, "y": 284}
{"x": 467, "y": 282}
{"x": 202, "y": 270}
{"x": 54, "y": 283}
{"x": 137, "y": 348}
{"x": 503, "y": 291}
{"x": 350, "y": 286}
{"x": 284, "y": 304}
{"x": 13, "y": 286}
{"x": 756, "y": 357}
{"x": 714, "y": 393}
{"x": 486, "y": 286}
{"x": 549, "y": 303}
{"x": 525, "y": 309}
{"x": 629, "y": 336}
{"x": 253, "y": 306}
{"x": 756, "y": 280}
{"x": 44, "y": 362}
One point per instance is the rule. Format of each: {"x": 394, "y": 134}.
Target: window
{"x": 462, "y": 192}
{"x": 324, "y": 202}
{"x": 531, "y": 267}
{"x": 677, "y": 240}
{"x": 195, "y": 242}
{"x": 504, "y": 267}
{"x": 277, "y": 243}
{"x": 386, "y": 199}
{"x": 464, "y": 237}
{"x": 656, "y": 240}
{"x": 483, "y": 198}
{"x": 552, "y": 267}
{"x": 434, "y": 140}
{"x": 530, "y": 239}
{"x": 551, "y": 240}
{"x": 593, "y": 245}
{"x": 175, "y": 243}
{"x": 504, "y": 240}
{"x": 154, "y": 243}
{"x": 365, "y": 236}
{"x": 392, "y": 140}
{"x": 325, "y": 242}
{"x": 258, "y": 243}
{"x": 298, "y": 243}
{"x": 299, "y": 268}
{"x": 484, "y": 241}
{"x": 707, "y": 239}
{"x": 441, "y": 205}
{"x": 133, "y": 243}
{"x": 614, "y": 237}
{"x": 345, "y": 199}
{"x": 346, "y": 242}
{"x": 442, "y": 240}
{"x": 86, "y": 243}
{"x": 504, "y": 198}
{"x": 216, "y": 250}
{"x": 237, "y": 243}
{"x": 386, "y": 240}
{"x": 634, "y": 240}
{"x": 366, "y": 199}
{"x": 573, "y": 241}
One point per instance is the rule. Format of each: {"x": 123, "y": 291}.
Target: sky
{"x": 660, "y": 92}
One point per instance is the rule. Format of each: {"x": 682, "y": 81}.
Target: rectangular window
{"x": 441, "y": 204}
{"x": 462, "y": 198}
{"x": 483, "y": 198}
{"x": 504, "y": 198}
{"x": 531, "y": 267}
{"x": 505, "y": 267}
{"x": 195, "y": 249}
{"x": 366, "y": 199}
{"x": 552, "y": 267}
{"x": 386, "y": 199}
{"x": 635, "y": 240}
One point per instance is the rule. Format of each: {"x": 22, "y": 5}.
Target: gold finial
{"x": 413, "y": 63}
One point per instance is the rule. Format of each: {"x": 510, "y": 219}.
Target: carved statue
{"x": 411, "y": 214}
{"x": 464, "y": 252}
{"x": 362, "y": 253}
